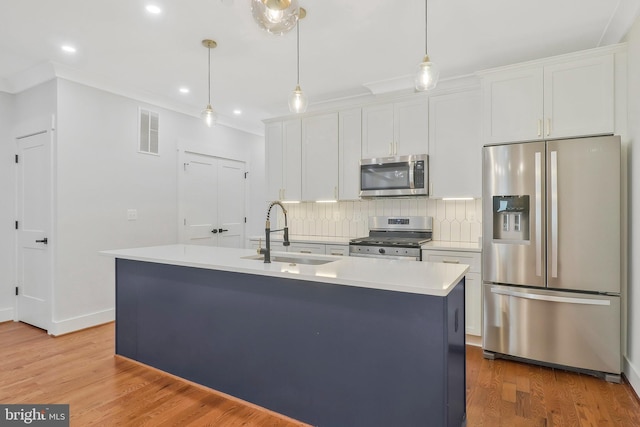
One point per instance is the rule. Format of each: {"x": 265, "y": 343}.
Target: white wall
{"x": 7, "y": 211}
{"x": 100, "y": 175}
{"x": 632, "y": 359}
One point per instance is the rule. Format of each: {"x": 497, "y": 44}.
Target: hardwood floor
{"x": 509, "y": 394}
{"x": 81, "y": 370}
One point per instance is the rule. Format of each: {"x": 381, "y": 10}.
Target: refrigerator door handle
{"x": 538, "y": 231}
{"x": 554, "y": 213}
{"x": 551, "y": 298}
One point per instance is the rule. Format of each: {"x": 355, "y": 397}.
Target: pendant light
{"x": 427, "y": 76}
{"x": 297, "y": 99}
{"x": 275, "y": 16}
{"x": 208, "y": 114}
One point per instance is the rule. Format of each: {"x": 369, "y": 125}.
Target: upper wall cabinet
{"x": 320, "y": 157}
{"x": 349, "y": 142}
{"x": 395, "y": 129}
{"x": 283, "y": 160}
{"x": 455, "y": 145}
{"x": 554, "y": 99}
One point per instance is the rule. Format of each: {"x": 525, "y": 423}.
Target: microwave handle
{"x": 412, "y": 166}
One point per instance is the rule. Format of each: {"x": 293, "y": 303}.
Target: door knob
{"x": 221, "y": 230}
{"x": 45, "y": 241}
{"x": 214, "y": 231}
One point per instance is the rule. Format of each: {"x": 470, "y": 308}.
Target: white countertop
{"x": 300, "y": 238}
{"x": 442, "y": 245}
{"x": 393, "y": 275}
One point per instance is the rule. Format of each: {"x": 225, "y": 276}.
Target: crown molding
{"x": 622, "y": 19}
{"x": 587, "y": 53}
{"x": 395, "y": 84}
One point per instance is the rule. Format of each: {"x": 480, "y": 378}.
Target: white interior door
{"x": 231, "y": 203}
{"x": 212, "y": 201}
{"x": 199, "y": 197}
{"x": 34, "y": 267}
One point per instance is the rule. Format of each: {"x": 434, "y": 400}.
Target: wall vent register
{"x": 148, "y": 135}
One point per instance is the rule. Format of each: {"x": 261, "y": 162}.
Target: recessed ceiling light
{"x": 68, "y": 48}
{"x": 237, "y": 111}
{"x": 184, "y": 90}
{"x": 152, "y": 8}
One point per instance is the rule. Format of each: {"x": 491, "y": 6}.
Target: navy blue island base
{"x": 328, "y": 355}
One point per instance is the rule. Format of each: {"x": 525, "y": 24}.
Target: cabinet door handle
{"x": 335, "y": 193}
{"x": 305, "y": 252}
{"x": 539, "y": 127}
{"x": 395, "y": 148}
{"x": 451, "y": 261}
{"x": 548, "y": 127}
{"x": 391, "y": 148}
{"x": 455, "y": 329}
{"x": 337, "y": 253}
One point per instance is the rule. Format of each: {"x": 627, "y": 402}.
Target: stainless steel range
{"x": 393, "y": 237}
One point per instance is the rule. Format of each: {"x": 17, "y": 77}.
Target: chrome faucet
{"x": 267, "y": 231}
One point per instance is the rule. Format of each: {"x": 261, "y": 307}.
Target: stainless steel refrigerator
{"x": 551, "y": 253}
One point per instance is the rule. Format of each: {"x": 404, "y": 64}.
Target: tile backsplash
{"x": 453, "y": 220}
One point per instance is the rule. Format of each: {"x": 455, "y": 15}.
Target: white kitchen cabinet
{"x": 320, "y": 164}
{"x": 555, "y": 99}
{"x": 274, "y": 159}
{"x": 303, "y": 247}
{"x": 349, "y": 149}
{"x": 306, "y": 248}
{"x": 455, "y": 145}
{"x": 473, "y": 284}
{"x": 283, "y": 145}
{"x": 579, "y": 97}
{"x": 395, "y": 129}
{"x": 339, "y": 250}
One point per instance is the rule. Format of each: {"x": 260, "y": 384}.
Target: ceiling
{"x": 348, "y": 49}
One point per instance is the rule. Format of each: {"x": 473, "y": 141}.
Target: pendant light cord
{"x": 209, "y": 49}
{"x": 426, "y": 21}
{"x": 298, "y": 48}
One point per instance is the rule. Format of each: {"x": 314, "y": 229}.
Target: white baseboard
{"x": 6, "y": 314}
{"x": 632, "y": 374}
{"x": 61, "y": 327}
{"x": 473, "y": 340}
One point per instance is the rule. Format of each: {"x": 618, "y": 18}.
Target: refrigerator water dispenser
{"x": 511, "y": 218}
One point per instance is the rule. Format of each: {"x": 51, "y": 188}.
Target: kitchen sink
{"x": 291, "y": 259}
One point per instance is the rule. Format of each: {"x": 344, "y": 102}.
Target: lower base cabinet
{"x": 473, "y": 289}
{"x": 304, "y": 248}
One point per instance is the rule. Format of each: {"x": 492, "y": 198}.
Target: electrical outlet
{"x": 132, "y": 214}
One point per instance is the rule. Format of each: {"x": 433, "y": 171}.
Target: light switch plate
{"x": 132, "y": 214}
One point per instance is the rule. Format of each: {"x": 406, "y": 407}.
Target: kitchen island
{"x": 331, "y": 341}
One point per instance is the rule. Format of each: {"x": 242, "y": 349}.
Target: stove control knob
{"x": 381, "y": 250}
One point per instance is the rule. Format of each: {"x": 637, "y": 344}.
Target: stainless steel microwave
{"x": 395, "y": 176}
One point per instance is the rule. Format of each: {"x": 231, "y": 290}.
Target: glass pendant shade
{"x": 298, "y": 101}
{"x": 275, "y": 16}
{"x": 209, "y": 116}
{"x": 427, "y": 76}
